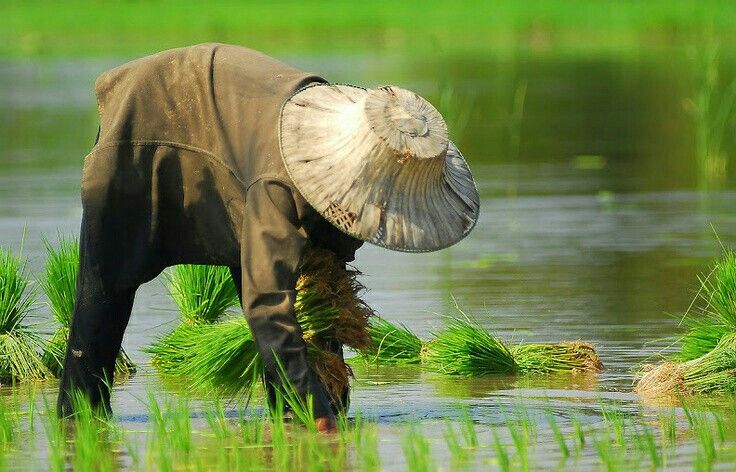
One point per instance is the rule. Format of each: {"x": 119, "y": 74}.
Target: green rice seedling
{"x": 203, "y": 293}
{"x": 55, "y": 430}
{"x": 467, "y": 429}
{"x": 215, "y": 416}
{"x": 648, "y": 445}
{"x": 91, "y": 449}
{"x": 60, "y": 285}
{"x": 520, "y": 438}
{"x": 219, "y": 357}
{"x": 169, "y": 443}
{"x": 607, "y": 453}
{"x": 301, "y": 408}
{"x": 391, "y": 344}
{"x": 8, "y": 426}
{"x": 577, "y": 427}
{"x": 668, "y": 434}
{"x": 714, "y": 372}
{"x": 706, "y": 361}
{"x": 615, "y": 421}
{"x": 557, "y": 435}
{"x": 457, "y": 451}
{"x": 19, "y": 359}
{"x": 560, "y": 357}
{"x": 502, "y": 456}
{"x": 365, "y": 440}
{"x": 417, "y": 452}
{"x": 252, "y": 427}
{"x": 701, "y": 428}
{"x": 466, "y": 349}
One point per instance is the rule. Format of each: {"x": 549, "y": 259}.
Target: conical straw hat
{"x": 378, "y": 165}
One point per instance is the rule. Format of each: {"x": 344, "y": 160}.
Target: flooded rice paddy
{"x": 595, "y": 220}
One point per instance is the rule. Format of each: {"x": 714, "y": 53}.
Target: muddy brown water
{"x": 592, "y": 227}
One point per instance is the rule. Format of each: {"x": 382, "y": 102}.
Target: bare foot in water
{"x": 326, "y": 424}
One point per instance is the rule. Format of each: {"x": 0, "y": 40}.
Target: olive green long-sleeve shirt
{"x": 187, "y": 169}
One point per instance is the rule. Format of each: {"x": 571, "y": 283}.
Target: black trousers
{"x": 101, "y": 315}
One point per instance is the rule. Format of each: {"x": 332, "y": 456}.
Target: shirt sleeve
{"x": 273, "y": 242}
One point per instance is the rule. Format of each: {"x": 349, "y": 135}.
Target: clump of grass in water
{"x": 465, "y": 348}
{"x": 706, "y": 362}
{"x": 203, "y": 293}
{"x": 391, "y": 345}
{"x": 714, "y": 310}
{"x": 19, "y": 360}
{"x": 60, "y": 286}
{"x": 223, "y": 355}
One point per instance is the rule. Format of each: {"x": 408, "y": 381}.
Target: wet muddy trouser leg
{"x": 101, "y": 314}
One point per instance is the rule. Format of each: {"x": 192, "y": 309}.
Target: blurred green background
{"x": 104, "y": 28}
{"x": 631, "y": 86}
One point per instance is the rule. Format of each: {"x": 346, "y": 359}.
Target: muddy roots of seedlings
{"x": 60, "y": 285}
{"x": 19, "y": 359}
{"x": 328, "y": 304}
{"x": 706, "y": 360}
{"x": 712, "y": 373}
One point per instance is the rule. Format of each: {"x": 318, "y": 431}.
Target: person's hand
{"x": 326, "y": 424}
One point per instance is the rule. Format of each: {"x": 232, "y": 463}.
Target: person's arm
{"x": 272, "y": 245}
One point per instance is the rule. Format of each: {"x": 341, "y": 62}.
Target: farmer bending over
{"x": 217, "y": 154}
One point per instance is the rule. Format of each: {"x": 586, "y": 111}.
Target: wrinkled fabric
{"x": 187, "y": 169}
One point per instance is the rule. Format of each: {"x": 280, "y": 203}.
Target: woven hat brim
{"x": 342, "y": 170}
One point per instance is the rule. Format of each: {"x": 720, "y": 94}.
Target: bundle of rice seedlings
{"x": 575, "y": 356}
{"x": 216, "y": 356}
{"x": 466, "y": 349}
{"x": 60, "y": 286}
{"x": 203, "y": 293}
{"x": 712, "y": 314}
{"x": 328, "y": 304}
{"x": 705, "y": 362}
{"x": 19, "y": 359}
{"x": 391, "y": 344}
{"x": 222, "y": 355}
{"x": 713, "y": 372}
